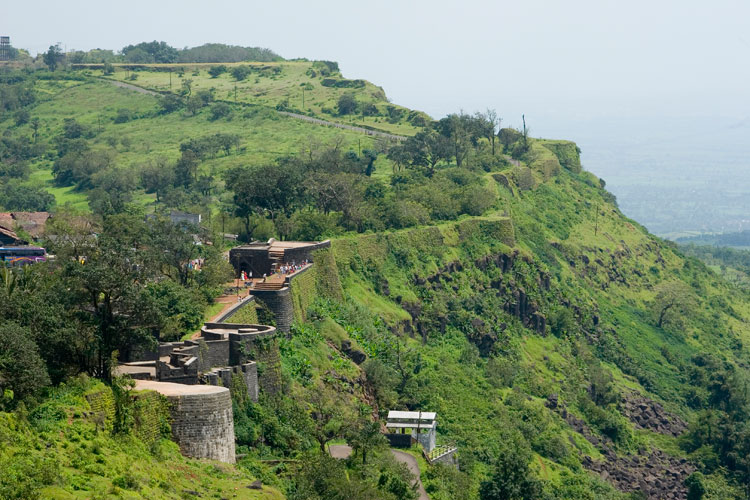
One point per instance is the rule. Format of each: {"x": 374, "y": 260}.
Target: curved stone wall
{"x": 202, "y": 421}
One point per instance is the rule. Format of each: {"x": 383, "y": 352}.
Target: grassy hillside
{"x": 483, "y": 275}
{"x": 468, "y": 298}
{"x": 66, "y": 449}
{"x": 148, "y": 135}
{"x": 281, "y": 85}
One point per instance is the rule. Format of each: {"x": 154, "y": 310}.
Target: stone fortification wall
{"x": 302, "y": 288}
{"x": 248, "y": 343}
{"x": 185, "y": 374}
{"x": 202, "y": 421}
{"x": 242, "y": 312}
{"x": 297, "y": 255}
{"x": 281, "y": 305}
{"x": 226, "y": 376}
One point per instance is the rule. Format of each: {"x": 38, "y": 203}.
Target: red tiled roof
{"x": 31, "y": 222}
{"x": 9, "y": 233}
{"x": 6, "y": 220}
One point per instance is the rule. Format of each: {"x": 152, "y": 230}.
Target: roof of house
{"x": 274, "y": 244}
{"x": 9, "y": 233}
{"x": 6, "y": 220}
{"x": 411, "y": 419}
{"x": 31, "y": 222}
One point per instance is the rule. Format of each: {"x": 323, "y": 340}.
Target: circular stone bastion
{"x": 202, "y": 421}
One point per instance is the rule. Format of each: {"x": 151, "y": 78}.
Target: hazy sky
{"x": 554, "y": 60}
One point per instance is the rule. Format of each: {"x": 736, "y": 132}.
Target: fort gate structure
{"x": 269, "y": 268}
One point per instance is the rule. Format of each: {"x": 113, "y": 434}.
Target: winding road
{"x": 343, "y": 451}
{"x": 309, "y": 119}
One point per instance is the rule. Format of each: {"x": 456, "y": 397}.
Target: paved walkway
{"x": 317, "y": 121}
{"x": 413, "y": 466}
{"x": 343, "y": 451}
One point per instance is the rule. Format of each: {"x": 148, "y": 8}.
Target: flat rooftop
{"x": 171, "y": 389}
{"x": 281, "y": 245}
{"x": 411, "y": 415}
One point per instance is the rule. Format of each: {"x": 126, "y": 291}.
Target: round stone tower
{"x": 202, "y": 421}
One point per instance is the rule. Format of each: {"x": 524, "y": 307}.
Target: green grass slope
{"x": 150, "y": 135}
{"x": 281, "y": 85}
{"x": 66, "y": 449}
{"x": 560, "y": 249}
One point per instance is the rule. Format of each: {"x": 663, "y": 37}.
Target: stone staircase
{"x": 276, "y": 256}
{"x": 267, "y": 286}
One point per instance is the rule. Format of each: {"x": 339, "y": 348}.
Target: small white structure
{"x": 421, "y": 425}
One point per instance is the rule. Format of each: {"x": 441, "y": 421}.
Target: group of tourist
{"x": 292, "y": 268}
{"x": 196, "y": 264}
{"x": 282, "y": 270}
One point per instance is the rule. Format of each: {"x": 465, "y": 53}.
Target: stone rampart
{"x": 225, "y": 376}
{"x": 281, "y": 305}
{"x": 202, "y": 421}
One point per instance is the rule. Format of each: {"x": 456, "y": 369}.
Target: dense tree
{"x": 107, "y": 285}
{"x": 673, "y": 300}
{"x": 216, "y": 71}
{"x": 457, "y": 129}
{"x": 150, "y": 52}
{"x": 364, "y": 437}
{"x": 511, "y": 478}
{"x": 112, "y": 190}
{"x": 490, "y": 123}
{"x": 265, "y": 190}
{"x": 21, "y": 197}
{"x": 220, "y": 110}
{"x": 170, "y": 103}
{"x": 218, "y": 52}
{"x": 22, "y": 371}
{"x": 78, "y": 167}
{"x": 241, "y": 72}
{"x": 426, "y": 149}
{"x": 347, "y": 104}
{"x": 53, "y": 57}
{"x": 157, "y": 177}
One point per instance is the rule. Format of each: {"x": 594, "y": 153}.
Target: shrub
{"x": 220, "y": 110}
{"x": 241, "y": 72}
{"x": 123, "y": 115}
{"x": 215, "y": 71}
{"x": 170, "y": 103}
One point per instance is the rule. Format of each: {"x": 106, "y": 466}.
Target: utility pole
{"x": 235, "y": 93}
{"x": 170, "y": 78}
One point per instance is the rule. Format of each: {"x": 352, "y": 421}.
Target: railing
{"x": 439, "y": 452}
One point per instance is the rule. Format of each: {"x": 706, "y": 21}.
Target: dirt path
{"x": 366, "y": 131}
{"x": 343, "y": 451}
{"x": 317, "y": 121}
{"x": 134, "y": 88}
{"x": 340, "y": 450}
{"x": 413, "y": 466}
